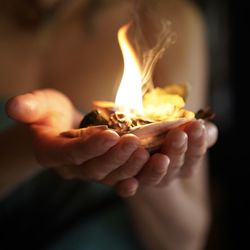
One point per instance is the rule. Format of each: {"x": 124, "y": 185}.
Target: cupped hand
{"x": 89, "y": 154}
{"x": 101, "y": 155}
{"x": 180, "y": 154}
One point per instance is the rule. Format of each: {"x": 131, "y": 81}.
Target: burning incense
{"x": 140, "y": 108}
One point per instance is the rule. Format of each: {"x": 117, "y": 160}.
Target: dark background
{"x": 229, "y": 171}
{"x": 227, "y": 24}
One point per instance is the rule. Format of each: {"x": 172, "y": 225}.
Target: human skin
{"x": 168, "y": 189}
{"x": 101, "y": 155}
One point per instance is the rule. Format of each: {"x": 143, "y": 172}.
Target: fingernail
{"x": 180, "y": 141}
{"x": 198, "y": 132}
{"x": 112, "y": 138}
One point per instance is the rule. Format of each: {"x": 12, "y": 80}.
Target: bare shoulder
{"x": 183, "y": 14}
{"x": 186, "y": 60}
{"x": 186, "y": 18}
{"x": 181, "y": 8}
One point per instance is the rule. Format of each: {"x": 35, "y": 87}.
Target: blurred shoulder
{"x": 184, "y": 14}
{"x": 187, "y": 59}
{"x": 183, "y": 9}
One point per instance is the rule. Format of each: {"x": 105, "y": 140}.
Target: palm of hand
{"x": 98, "y": 154}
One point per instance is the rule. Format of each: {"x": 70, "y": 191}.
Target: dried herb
{"x": 206, "y": 114}
{"x": 93, "y": 118}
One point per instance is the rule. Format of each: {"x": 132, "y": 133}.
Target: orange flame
{"x": 129, "y": 95}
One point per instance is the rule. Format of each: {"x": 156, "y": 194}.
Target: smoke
{"x": 165, "y": 37}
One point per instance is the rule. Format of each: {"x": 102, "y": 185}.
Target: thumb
{"x": 26, "y": 108}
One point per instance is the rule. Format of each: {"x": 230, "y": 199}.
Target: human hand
{"x": 101, "y": 155}
{"x": 93, "y": 154}
{"x": 180, "y": 154}
{"x": 179, "y": 157}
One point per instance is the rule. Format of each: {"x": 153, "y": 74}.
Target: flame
{"x": 156, "y": 104}
{"x": 129, "y": 95}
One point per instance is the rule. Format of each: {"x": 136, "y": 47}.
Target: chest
{"x": 82, "y": 60}
{"x": 86, "y": 63}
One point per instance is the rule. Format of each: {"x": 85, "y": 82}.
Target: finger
{"x": 212, "y": 133}
{"x": 82, "y": 149}
{"x": 34, "y": 107}
{"x": 97, "y": 169}
{"x": 26, "y": 108}
{"x": 154, "y": 171}
{"x": 57, "y": 150}
{"x": 127, "y": 188}
{"x": 130, "y": 169}
{"x": 175, "y": 147}
{"x": 83, "y": 132}
{"x": 197, "y": 147}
